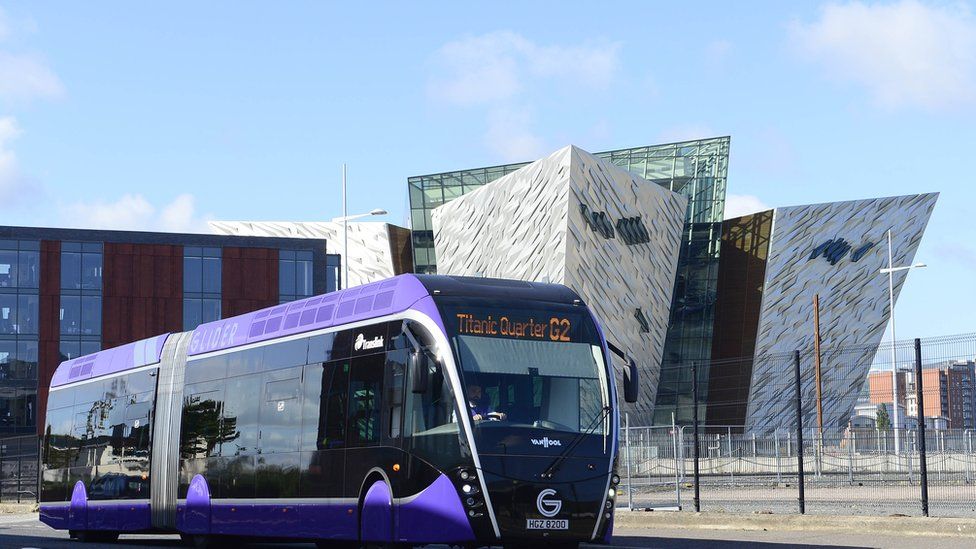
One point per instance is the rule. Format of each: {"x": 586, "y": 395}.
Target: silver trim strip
{"x": 165, "y": 466}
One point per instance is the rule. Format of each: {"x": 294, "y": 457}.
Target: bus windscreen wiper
{"x": 554, "y": 466}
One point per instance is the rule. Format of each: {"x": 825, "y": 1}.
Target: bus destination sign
{"x": 517, "y": 326}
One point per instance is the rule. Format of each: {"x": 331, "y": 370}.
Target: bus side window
{"x": 365, "y": 395}
{"x": 312, "y": 408}
{"x": 333, "y": 410}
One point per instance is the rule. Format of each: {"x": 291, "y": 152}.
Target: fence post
{"x": 694, "y": 391}
{"x": 969, "y": 451}
{"x": 850, "y": 455}
{"x": 731, "y": 460}
{"x": 922, "y": 466}
{"x": 674, "y": 450}
{"x": 630, "y": 479}
{"x": 799, "y": 433}
{"x": 779, "y": 478}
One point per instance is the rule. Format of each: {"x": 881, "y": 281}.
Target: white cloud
{"x": 502, "y": 72}
{"x": 135, "y": 212}
{"x": 737, "y": 205}
{"x": 15, "y": 187}
{"x": 25, "y": 77}
{"x": 904, "y": 54}
{"x": 510, "y": 135}
{"x": 497, "y": 66}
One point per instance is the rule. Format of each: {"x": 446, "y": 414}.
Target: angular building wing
{"x": 577, "y": 220}
{"x": 773, "y": 264}
{"x": 376, "y": 250}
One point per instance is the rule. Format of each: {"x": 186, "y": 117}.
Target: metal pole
{"x": 674, "y": 450}
{"x": 345, "y": 234}
{"x": 694, "y": 391}
{"x": 799, "y": 433}
{"x": 894, "y": 358}
{"x": 731, "y": 471}
{"x": 630, "y": 480}
{"x": 922, "y": 466}
{"x": 779, "y": 478}
{"x": 816, "y": 363}
{"x": 969, "y": 451}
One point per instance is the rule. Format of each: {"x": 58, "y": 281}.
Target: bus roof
{"x": 117, "y": 359}
{"x": 356, "y": 304}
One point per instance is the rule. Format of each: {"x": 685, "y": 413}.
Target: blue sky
{"x": 122, "y": 116}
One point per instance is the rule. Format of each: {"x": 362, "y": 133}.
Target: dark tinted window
{"x": 365, "y": 395}
{"x": 206, "y": 369}
{"x": 203, "y": 428}
{"x": 241, "y": 415}
{"x": 312, "y": 403}
{"x": 333, "y": 430}
{"x": 283, "y": 355}
{"x": 281, "y": 412}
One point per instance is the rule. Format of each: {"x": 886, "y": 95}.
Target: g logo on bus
{"x": 548, "y": 507}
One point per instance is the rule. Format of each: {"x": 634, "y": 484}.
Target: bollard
{"x": 731, "y": 459}
{"x": 969, "y": 451}
{"x": 850, "y": 456}
{"x": 630, "y": 481}
{"x": 694, "y": 390}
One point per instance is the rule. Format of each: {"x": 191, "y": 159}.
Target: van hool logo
{"x": 836, "y": 249}
{"x": 545, "y": 442}
{"x": 363, "y": 344}
{"x": 548, "y": 506}
{"x": 631, "y": 229}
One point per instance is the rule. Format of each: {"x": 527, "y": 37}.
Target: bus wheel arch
{"x": 376, "y": 508}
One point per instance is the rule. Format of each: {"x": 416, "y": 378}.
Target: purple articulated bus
{"x": 415, "y": 410}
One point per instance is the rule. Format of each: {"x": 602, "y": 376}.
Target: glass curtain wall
{"x": 201, "y": 285}
{"x": 19, "y": 309}
{"x": 696, "y": 169}
{"x": 80, "y": 314}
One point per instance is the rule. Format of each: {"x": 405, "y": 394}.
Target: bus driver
{"x": 481, "y": 410}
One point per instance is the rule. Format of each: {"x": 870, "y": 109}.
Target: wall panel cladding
{"x": 142, "y": 293}
{"x": 564, "y": 219}
{"x": 854, "y": 302}
{"x": 49, "y": 330}
{"x": 249, "y": 280}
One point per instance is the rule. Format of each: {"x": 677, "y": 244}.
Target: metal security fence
{"x": 18, "y": 469}
{"x": 837, "y": 453}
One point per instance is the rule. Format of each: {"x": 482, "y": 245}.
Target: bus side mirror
{"x": 631, "y": 383}
{"x": 419, "y": 371}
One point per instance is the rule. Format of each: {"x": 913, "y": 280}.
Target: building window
{"x": 201, "y": 285}
{"x": 80, "y": 311}
{"x": 333, "y": 272}
{"x": 19, "y": 309}
{"x": 294, "y": 275}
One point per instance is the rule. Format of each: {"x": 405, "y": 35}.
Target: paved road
{"x": 24, "y": 532}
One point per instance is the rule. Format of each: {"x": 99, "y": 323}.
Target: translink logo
{"x": 545, "y": 442}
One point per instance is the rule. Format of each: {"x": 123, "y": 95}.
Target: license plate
{"x": 546, "y": 524}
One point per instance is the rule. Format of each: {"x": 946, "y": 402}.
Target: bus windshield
{"x": 537, "y": 369}
{"x": 541, "y": 384}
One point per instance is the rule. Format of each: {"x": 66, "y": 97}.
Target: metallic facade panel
{"x": 371, "y": 256}
{"x": 529, "y": 225}
{"x": 854, "y": 301}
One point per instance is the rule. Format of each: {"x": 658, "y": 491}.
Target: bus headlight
{"x": 615, "y": 479}
{"x": 612, "y": 493}
{"x": 467, "y": 488}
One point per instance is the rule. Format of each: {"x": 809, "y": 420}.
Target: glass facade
{"x": 19, "y": 310}
{"x": 697, "y": 170}
{"x": 294, "y": 275}
{"x": 80, "y": 314}
{"x": 201, "y": 285}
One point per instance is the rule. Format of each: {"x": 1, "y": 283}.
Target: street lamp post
{"x": 890, "y": 271}
{"x": 345, "y": 229}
